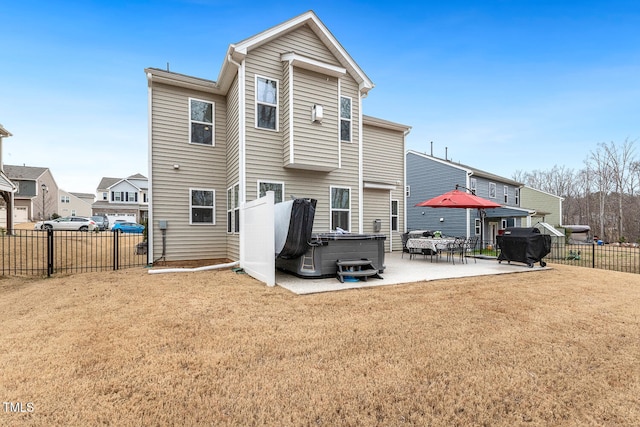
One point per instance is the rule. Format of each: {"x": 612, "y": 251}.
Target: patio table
{"x": 423, "y": 243}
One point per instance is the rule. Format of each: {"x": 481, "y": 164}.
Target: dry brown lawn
{"x": 556, "y": 347}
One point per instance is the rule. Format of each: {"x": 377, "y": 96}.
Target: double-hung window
{"x": 492, "y": 190}
{"x": 517, "y": 199}
{"x": 276, "y": 187}
{"x": 266, "y": 103}
{"x": 506, "y": 194}
{"x": 201, "y": 119}
{"x": 233, "y": 209}
{"x": 340, "y": 208}
{"x": 474, "y": 185}
{"x": 202, "y": 206}
{"x": 345, "y": 119}
{"x": 478, "y": 226}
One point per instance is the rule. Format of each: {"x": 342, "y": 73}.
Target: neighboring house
{"x": 37, "y": 192}
{"x": 69, "y": 204}
{"x": 429, "y": 176}
{"x": 7, "y": 190}
{"x": 548, "y": 207}
{"x": 286, "y": 114}
{"x": 122, "y": 197}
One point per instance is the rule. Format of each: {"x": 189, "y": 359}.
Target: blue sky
{"x": 503, "y": 85}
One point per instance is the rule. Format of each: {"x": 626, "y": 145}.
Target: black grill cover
{"x": 300, "y": 227}
{"x": 523, "y": 244}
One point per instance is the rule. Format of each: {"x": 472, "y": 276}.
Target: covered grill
{"x": 525, "y": 245}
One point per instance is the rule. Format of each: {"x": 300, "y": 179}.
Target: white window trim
{"x": 396, "y": 216}
{"x": 506, "y": 194}
{"x": 492, "y": 185}
{"x": 212, "y": 207}
{"x": 473, "y": 184}
{"x": 277, "y": 104}
{"x": 407, "y": 191}
{"x": 477, "y": 226}
{"x": 331, "y": 209}
{"x": 517, "y": 198}
{"x": 267, "y": 181}
{"x": 350, "y": 119}
{"x": 231, "y": 209}
{"x": 213, "y": 123}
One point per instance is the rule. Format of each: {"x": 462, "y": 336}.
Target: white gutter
{"x": 191, "y": 270}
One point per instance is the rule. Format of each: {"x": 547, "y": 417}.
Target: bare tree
{"x": 620, "y": 161}
{"x": 600, "y": 175}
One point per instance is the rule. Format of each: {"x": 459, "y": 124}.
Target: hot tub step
{"x": 356, "y": 268}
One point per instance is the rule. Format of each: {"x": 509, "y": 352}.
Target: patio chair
{"x": 455, "y": 249}
{"x": 469, "y": 247}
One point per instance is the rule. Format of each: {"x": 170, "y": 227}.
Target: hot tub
{"x": 327, "y": 248}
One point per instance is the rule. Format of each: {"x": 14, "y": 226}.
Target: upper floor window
{"x": 506, "y": 194}
{"x": 124, "y": 196}
{"x": 276, "y": 187}
{"x": 492, "y": 190}
{"x": 64, "y": 199}
{"x": 266, "y": 103}
{"x": 202, "y": 206}
{"x": 407, "y": 191}
{"x": 517, "y": 196}
{"x": 201, "y": 119}
{"x": 340, "y": 208}
{"x": 104, "y": 196}
{"x": 473, "y": 183}
{"x": 345, "y": 119}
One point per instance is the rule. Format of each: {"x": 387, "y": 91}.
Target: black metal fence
{"x": 40, "y": 253}
{"x": 616, "y": 257}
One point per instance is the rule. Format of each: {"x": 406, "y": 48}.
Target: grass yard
{"x": 550, "y": 347}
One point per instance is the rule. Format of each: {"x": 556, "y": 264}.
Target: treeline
{"x": 605, "y": 194}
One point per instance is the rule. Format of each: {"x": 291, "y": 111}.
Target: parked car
{"x": 127, "y": 227}
{"x": 72, "y": 223}
{"x": 101, "y": 221}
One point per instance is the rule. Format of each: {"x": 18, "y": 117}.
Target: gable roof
{"x": 4, "y": 133}
{"x": 238, "y": 51}
{"x": 27, "y": 173}
{"x": 107, "y": 182}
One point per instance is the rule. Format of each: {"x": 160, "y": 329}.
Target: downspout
{"x": 150, "y": 232}
{"x": 241, "y": 146}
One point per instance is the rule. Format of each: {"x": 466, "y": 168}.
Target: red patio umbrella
{"x": 459, "y": 199}
{"x": 463, "y": 200}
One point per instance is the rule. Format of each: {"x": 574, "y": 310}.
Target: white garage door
{"x": 20, "y": 215}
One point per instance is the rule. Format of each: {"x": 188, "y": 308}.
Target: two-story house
{"x": 429, "y": 176}
{"x": 548, "y": 207}
{"x": 36, "y": 195}
{"x": 284, "y": 115}
{"x": 74, "y": 204}
{"x": 7, "y": 190}
{"x": 123, "y": 197}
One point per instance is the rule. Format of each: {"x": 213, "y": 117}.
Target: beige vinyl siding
{"x": 378, "y": 206}
{"x": 541, "y": 202}
{"x": 200, "y": 167}
{"x": 383, "y": 154}
{"x": 233, "y": 173}
{"x": 315, "y": 142}
{"x": 265, "y": 149}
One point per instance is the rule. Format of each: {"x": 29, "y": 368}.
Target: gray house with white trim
{"x": 285, "y": 115}
{"x": 429, "y": 176}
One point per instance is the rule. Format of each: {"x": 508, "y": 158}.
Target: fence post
{"x": 115, "y": 250}
{"x": 593, "y": 255}
{"x": 50, "y": 255}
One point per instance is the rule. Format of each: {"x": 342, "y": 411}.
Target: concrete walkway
{"x": 403, "y": 270}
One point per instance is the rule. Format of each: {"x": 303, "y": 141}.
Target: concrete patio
{"x": 404, "y": 270}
